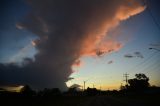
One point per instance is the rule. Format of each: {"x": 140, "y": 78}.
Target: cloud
{"x": 19, "y": 26}
{"x": 70, "y": 78}
{"x": 67, "y": 30}
{"x": 77, "y": 63}
{"x": 128, "y": 56}
{"x": 75, "y": 86}
{"x": 22, "y": 53}
{"x": 135, "y": 54}
{"x": 138, "y": 54}
{"x": 110, "y": 62}
{"x": 107, "y": 47}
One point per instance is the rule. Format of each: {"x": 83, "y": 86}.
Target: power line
{"x": 150, "y": 13}
{"x": 153, "y": 54}
{"x": 154, "y": 63}
{"x": 149, "y": 63}
{"x": 143, "y": 62}
{"x": 155, "y": 49}
{"x": 154, "y": 68}
{"x": 149, "y": 67}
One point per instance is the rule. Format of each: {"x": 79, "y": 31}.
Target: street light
{"x": 155, "y": 49}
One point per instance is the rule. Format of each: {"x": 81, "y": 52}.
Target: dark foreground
{"x": 103, "y": 100}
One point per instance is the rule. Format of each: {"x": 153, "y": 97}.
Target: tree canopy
{"x": 140, "y": 82}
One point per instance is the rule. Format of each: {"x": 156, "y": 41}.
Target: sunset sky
{"x": 66, "y": 40}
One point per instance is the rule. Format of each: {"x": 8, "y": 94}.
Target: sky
{"x": 44, "y": 44}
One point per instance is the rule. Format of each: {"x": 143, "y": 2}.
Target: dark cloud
{"x": 110, "y": 62}
{"x": 75, "y": 86}
{"x": 70, "y": 78}
{"x": 128, "y": 56}
{"x": 135, "y": 54}
{"x": 66, "y": 30}
{"x": 138, "y": 54}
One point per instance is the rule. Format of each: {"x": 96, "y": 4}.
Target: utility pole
{"x": 82, "y": 88}
{"x": 84, "y": 85}
{"x": 126, "y": 78}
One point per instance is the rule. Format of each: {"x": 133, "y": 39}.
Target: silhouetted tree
{"x": 139, "y": 83}
{"x": 92, "y": 91}
{"x": 27, "y": 91}
{"x": 51, "y": 92}
{"x": 122, "y": 87}
{"x": 72, "y": 90}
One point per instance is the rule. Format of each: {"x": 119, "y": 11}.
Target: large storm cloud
{"x": 66, "y": 30}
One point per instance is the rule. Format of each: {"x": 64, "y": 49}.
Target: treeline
{"x": 26, "y": 91}
{"x": 138, "y": 85}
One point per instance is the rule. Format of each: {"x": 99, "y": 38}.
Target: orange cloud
{"x": 125, "y": 12}
{"x": 77, "y": 63}
{"x": 93, "y": 41}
